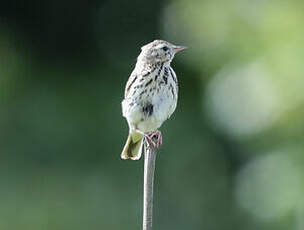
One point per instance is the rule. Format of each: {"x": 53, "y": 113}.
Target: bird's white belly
{"x": 163, "y": 107}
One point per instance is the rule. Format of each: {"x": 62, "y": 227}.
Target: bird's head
{"x": 158, "y": 51}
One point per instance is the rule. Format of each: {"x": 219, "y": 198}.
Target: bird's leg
{"x": 153, "y": 138}
{"x": 147, "y": 137}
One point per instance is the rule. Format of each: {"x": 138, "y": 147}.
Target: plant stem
{"x": 149, "y": 168}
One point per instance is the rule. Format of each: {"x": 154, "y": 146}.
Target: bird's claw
{"x": 154, "y": 139}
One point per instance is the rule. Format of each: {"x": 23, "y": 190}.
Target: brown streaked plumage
{"x": 150, "y": 96}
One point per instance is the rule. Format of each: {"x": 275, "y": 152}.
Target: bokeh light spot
{"x": 269, "y": 186}
{"x": 242, "y": 101}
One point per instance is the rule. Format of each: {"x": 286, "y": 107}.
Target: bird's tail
{"x": 133, "y": 147}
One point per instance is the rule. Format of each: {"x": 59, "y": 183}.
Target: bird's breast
{"x": 152, "y": 99}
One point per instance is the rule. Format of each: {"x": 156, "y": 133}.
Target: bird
{"x": 150, "y": 96}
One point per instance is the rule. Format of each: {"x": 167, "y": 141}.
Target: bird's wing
{"x": 133, "y": 77}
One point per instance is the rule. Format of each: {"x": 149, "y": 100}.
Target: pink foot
{"x": 154, "y": 138}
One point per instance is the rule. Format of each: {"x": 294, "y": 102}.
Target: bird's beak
{"x": 178, "y": 48}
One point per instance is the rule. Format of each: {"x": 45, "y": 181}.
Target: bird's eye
{"x": 165, "y": 48}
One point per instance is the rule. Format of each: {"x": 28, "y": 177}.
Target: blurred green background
{"x": 232, "y": 156}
